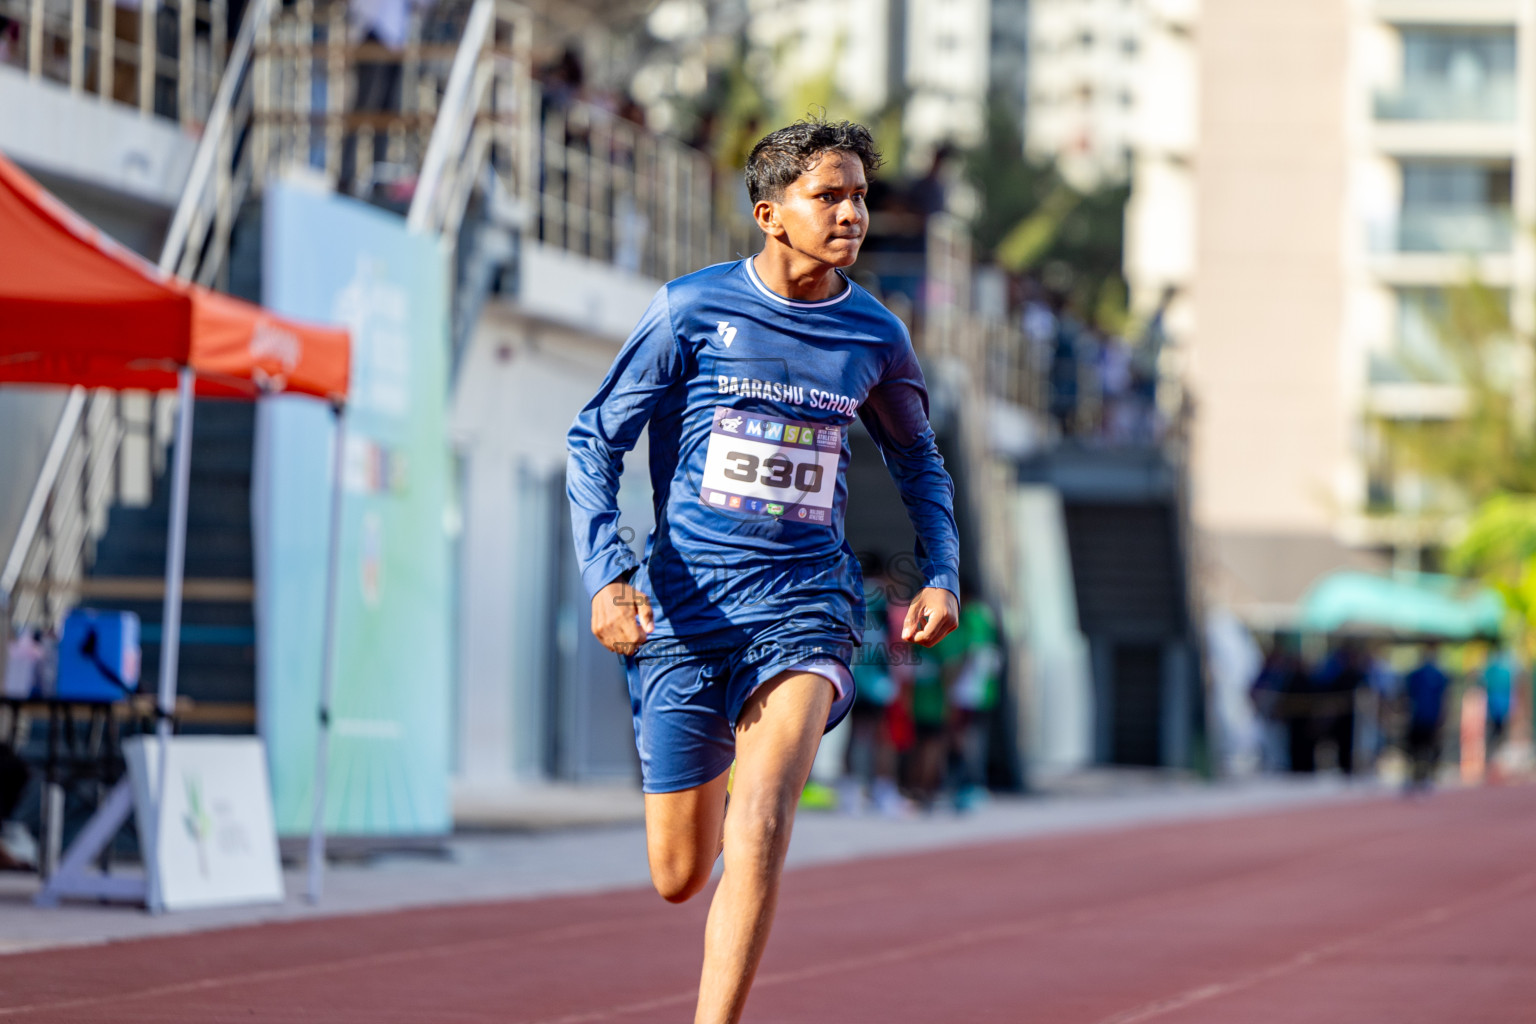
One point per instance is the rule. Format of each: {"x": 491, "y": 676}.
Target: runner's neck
{"x": 796, "y": 277}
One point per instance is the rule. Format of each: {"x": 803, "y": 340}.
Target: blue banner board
{"x": 333, "y": 259}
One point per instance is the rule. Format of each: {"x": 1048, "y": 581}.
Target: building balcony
{"x": 1458, "y": 140}
{"x": 1402, "y": 372}
{"x": 1446, "y": 230}
{"x": 1416, "y": 400}
{"x": 1494, "y": 101}
{"x": 1449, "y": 12}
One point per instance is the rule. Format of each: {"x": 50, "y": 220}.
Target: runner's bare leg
{"x": 682, "y": 837}
{"x": 776, "y": 740}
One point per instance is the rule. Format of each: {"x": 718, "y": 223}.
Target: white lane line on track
{"x": 575, "y": 931}
{"x": 1306, "y": 958}
{"x": 947, "y": 943}
{"x": 950, "y": 942}
{"x": 1094, "y": 915}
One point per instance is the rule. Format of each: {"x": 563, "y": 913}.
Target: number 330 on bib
{"x": 763, "y": 465}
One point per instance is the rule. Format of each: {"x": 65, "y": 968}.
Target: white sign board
{"x": 216, "y": 844}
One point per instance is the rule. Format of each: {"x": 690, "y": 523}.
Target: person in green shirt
{"x": 929, "y": 704}
{"x": 870, "y": 759}
{"x": 972, "y": 660}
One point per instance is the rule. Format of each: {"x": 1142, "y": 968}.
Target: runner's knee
{"x": 679, "y": 879}
{"x": 761, "y": 830}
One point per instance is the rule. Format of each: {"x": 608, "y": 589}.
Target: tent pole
{"x": 327, "y": 665}
{"x": 170, "y": 628}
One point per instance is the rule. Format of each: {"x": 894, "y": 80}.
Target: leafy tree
{"x": 1031, "y": 220}
{"x": 1499, "y": 548}
{"x": 1487, "y": 454}
{"x": 1489, "y": 448}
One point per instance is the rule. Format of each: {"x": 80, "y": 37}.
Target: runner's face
{"x": 823, "y": 212}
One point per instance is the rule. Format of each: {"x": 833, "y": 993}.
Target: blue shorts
{"x": 687, "y": 694}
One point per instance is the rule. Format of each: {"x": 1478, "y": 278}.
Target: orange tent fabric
{"x": 78, "y": 308}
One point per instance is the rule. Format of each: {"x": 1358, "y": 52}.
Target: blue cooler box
{"x": 98, "y": 656}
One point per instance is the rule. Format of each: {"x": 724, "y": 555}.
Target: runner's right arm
{"x": 650, "y": 362}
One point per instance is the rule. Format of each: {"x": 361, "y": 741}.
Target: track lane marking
{"x": 563, "y": 932}
{"x": 1307, "y": 957}
{"x": 957, "y": 940}
{"x": 1093, "y": 915}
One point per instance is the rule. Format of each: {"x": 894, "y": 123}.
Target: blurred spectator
{"x": 930, "y": 193}
{"x": 10, "y": 41}
{"x": 24, "y": 659}
{"x": 13, "y": 781}
{"x": 1274, "y": 694}
{"x": 930, "y": 723}
{"x": 1385, "y": 688}
{"x": 1063, "y": 375}
{"x": 1499, "y": 684}
{"x": 1121, "y": 420}
{"x": 1038, "y": 321}
{"x": 375, "y": 23}
{"x": 871, "y": 752}
{"x": 1234, "y": 661}
{"x": 630, "y": 224}
{"x": 1338, "y": 678}
{"x": 561, "y": 83}
{"x": 704, "y": 131}
{"x": 1301, "y": 722}
{"x": 1425, "y": 688}
{"x": 972, "y": 660}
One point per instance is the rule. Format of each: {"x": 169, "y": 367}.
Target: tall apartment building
{"x": 859, "y": 42}
{"x": 938, "y": 59}
{"x": 1163, "y": 136}
{"x": 1341, "y": 164}
{"x": 1084, "y": 57}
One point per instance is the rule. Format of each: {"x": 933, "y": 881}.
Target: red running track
{"x": 1377, "y": 911}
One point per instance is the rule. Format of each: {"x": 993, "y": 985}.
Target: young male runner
{"x": 739, "y": 626}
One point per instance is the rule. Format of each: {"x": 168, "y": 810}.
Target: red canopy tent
{"x": 76, "y": 308}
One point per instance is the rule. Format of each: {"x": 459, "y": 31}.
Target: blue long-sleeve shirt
{"x": 748, "y": 397}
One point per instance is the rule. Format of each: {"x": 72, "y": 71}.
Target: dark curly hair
{"x": 782, "y": 156}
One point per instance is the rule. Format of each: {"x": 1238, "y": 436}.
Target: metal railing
{"x": 461, "y": 113}
{"x": 486, "y": 97}
{"x": 82, "y": 472}
{"x": 1007, "y": 366}
{"x": 361, "y": 113}
{"x": 163, "y": 57}
{"x": 1494, "y": 100}
{"x": 223, "y": 170}
{"x": 67, "y": 510}
{"x": 1453, "y": 230}
{"x": 581, "y": 178}
{"x": 610, "y": 190}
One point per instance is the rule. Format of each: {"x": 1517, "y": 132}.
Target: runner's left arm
{"x": 896, "y": 416}
{"x": 609, "y": 426}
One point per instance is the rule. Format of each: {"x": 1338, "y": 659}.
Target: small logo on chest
{"x": 726, "y": 331}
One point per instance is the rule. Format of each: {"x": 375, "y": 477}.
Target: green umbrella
{"x": 1406, "y": 604}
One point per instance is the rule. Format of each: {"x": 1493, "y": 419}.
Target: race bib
{"x": 763, "y": 465}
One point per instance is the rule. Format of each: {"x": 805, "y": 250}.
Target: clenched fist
{"x": 932, "y": 615}
{"x": 621, "y": 617}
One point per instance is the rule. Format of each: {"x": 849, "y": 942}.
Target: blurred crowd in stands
{"x": 920, "y": 731}
{"x": 1099, "y": 386}
{"x": 1354, "y": 711}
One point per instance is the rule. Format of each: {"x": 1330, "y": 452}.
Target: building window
{"x": 1425, "y": 347}
{"x": 1456, "y": 206}
{"x": 1454, "y": 75}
